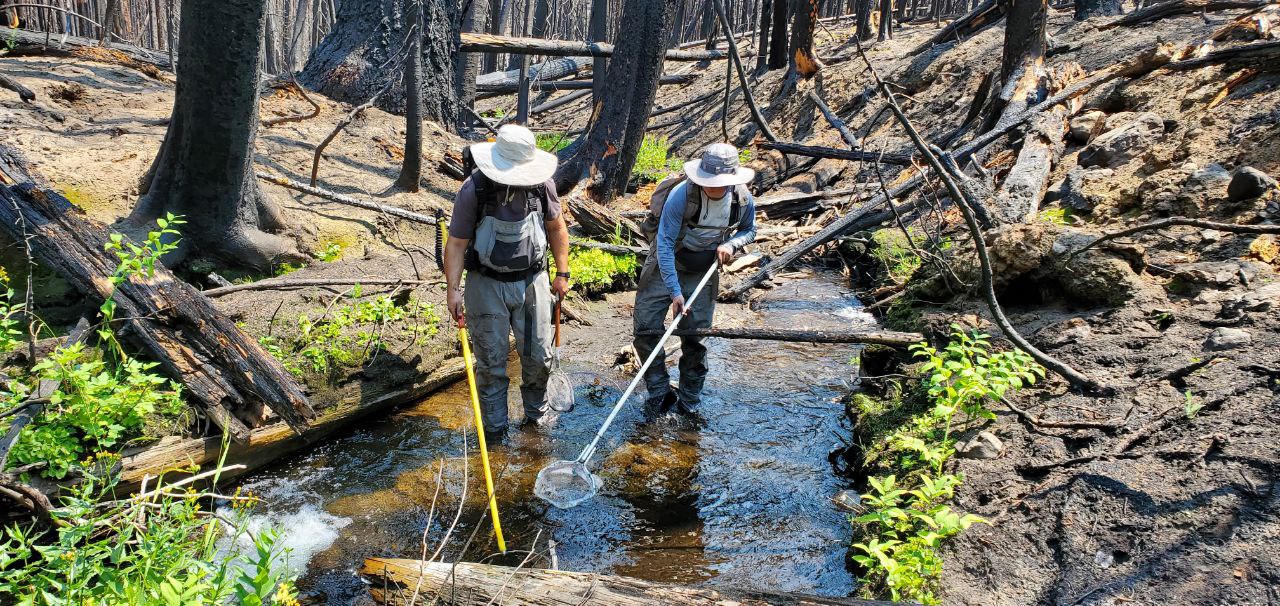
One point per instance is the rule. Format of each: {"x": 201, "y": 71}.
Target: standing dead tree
{"x": 411, "y": 169}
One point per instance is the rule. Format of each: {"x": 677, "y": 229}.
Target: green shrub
{"x": 10, "y": 336}
{"x": 553, "y": 142}
{"x": 596, "y": 271}
{"x": 331, "y": 252}
{"x": 894, "y": 252}
{"x": 157, "y": 549}
{"x": 653, "y": 162}
{"x": 907, "y": 517}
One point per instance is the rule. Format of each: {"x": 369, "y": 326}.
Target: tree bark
{"x": 362, "y": 52}
{"x": 204, "y": 169}
{"x": 886, "y": 20}
{"x": 467, "y": 65}
{"x": 1025, "y": 42}
{"x": 411, "y": 168}
{"x": 597, "y": 31}
{"x": 802, "y": 63}
{"x": 778, "y": 38}
{"x": 762, "y": 45}
{"x": 864, "y": 9}
{"x": 1086, "y": 9}
{"x": 608, "y": 150}
{"x": 109, "y": 19}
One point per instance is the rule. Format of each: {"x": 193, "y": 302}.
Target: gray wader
{"x": 652, "y": 308}
{"x": 495, "y": 310}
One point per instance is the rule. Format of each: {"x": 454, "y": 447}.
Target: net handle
{"x": 591, "y": 448}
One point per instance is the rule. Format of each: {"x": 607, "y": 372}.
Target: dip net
{"x": 565, "y": 484}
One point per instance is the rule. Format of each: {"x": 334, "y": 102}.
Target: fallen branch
{"x": 318, "y": 192}
{"x": 553, "y": 69}
{"x": 315, "y": 108}
{"x": 1172, "y": 221}
{"x": 974, "y": 21}
{"x": 815, "y": 151}
{"x": 283, "y": 283}
{"x": 350, "y": 117}
{"x": 489, "y": 43}
{"x": 966, "y": 206}
{"x": 495, "y": 90}
{"x": 24, "y": 93}
{"x": 1161, "y": 10}
{"x": 561, "y": 102}
{"x": 868, "y": 337}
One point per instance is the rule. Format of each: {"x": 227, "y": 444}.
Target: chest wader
{"x": 507, "y": 291}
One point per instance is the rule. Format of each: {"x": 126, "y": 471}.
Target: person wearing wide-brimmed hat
{"x": 707, "y": 217}
{"x": 506, "y": 217}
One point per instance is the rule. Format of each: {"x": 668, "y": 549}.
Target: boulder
{"x": 1221, "y": 274}
{"x": 1084, "y": 189}
{"x": 1247, "y": 183}
{"x": 1097, "y": 278}
{"x": 1225, "y": 338}
{"x": 1122, "y": 144}
{"x": 985, "y": 445}
{"x": 1087, "y": 125}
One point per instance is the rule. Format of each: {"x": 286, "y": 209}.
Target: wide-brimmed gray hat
{"x": 514, "y": 158}
{"x": 718, "y": 167}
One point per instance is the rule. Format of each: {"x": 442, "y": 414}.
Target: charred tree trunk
{"x": 778, "y": 38}
{"x": 109, "y": 18}
{"x": 491, "y": 26}
{"x": 1024, "y": 37}
{"x": 411, "y": 169}
{"x": 709, "y": 26}
{"x": 541, "y": 15}
{"x": 886, "y": 20}
{"x": 467, "y": 65}
{"x": 1086, "y": 9}
{"x": 598, "y": 31}
{"x": 766, "y": 20}
{"x": 608, "y": 150}
{"x": 204, "y": 169}
{"x": 802, "y": 63}
{"x": 363, "y": 52}
{"x": 864, "y": 9}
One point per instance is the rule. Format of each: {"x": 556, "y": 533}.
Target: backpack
{"x": 692, "y": 205}
{"x": 506, "y": 240}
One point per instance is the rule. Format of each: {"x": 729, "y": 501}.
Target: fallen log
{"x": 1161, "y": 10}
{"x": 318, "y": 192}
{"x": 834, "y": 120}
{"x": 29, "y": 42}
{"x": 974, "y": 21}
{"x": 560, "y": 102}
{"x": 275, "y": 441}
{"x": 1018, "y": 200}
{"x": 393, "y": 580}
{"x": 868, "y": 337}
{"x": 553, "y": 69}
{"x": 599, "y": 221}
{"x": 283, "y": 283}
{"x": 798, "y": 204}
{"x": 855, "y": 155}
{"x": 489, "y": 43}
{"x": 223, "y": 370}
{"x": 24, "y": 93}
{"x": 617, "y": 249}
{"x": 494, "y": 90}
{"x": 1245, "y": 52}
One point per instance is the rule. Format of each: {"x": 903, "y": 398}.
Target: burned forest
{"x": 622, "y": 302}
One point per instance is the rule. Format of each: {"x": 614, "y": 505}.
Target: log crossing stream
{"x": 743, "y": 503}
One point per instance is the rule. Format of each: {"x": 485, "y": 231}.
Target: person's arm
{"x": 462, "y": 228}
{"x": 669, "y": 225}
{"x": 558, "y": 240}
{"x": 746, "y": 233}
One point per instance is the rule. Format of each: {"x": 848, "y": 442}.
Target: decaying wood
{"x": 319, "y": 192}
{"x": 29, "y": 42}
{"x": 868, "y": 337}
{"x": 391, "y": 581}
{"x": 1160, "y": 10}
{"x": 493, "y": 90}
{"x": 552, "y": 69}
{"x": 315, "y": 108}
{"x": 1263, "y": 53}
{"x": 1018, "y": 200}
{"x": 275, "y": 441}
{"x": 490, "y": 43}
{"x": 982, "y": 16}
{"x": 285, "y": 283}
{"x": 617, "y": 249}
{"x": 226, "y": 372}
{"x": 24, "y": 93}
{"x": 597, "y": 220}
{"x": 799, "y": 204}
{"x": 815, "y": 151}
{"x": 834, "y": 120}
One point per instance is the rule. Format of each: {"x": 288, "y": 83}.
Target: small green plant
{"x": 285, "y": 269}
{"x": 894, "y": 252}
{"x": 653, "y": 161}
{"x": 10, "y": 335}
{"x": 553, "y": 142}
{"x": 744, "y": 155}
{"x": 331, "y": 252}
{"x": 1191, "y": 405}
{"x": 1058, "y": 216}
{"x": 596, "y": 271}
{"x": 158, "y": 548}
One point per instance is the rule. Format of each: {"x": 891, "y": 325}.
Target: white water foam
{"x": 306, "y": 532}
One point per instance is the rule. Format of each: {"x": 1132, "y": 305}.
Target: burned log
{"x": 24, "y": 93}
{"x": 1018, "y": 200}
{"x": 597, "y": 220}
{"x": 976, "y": 20}
{"x": 1161, "y": 10}
{"x": 489, "y": 43}
{"x": 868, "y": 337}
{"x": 28, "y": 42}
{"x": 392, "y": 581}
{"x": 224, "y": 371}
{"x": 855, "y": 155}
{"x": 493, "y": 90}
{"x": 799, "y": 204}
{"x": 318, "y": 192}
{"x": 553, "y": 69}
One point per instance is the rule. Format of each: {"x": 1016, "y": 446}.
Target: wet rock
{"x": 1122, "y": 144}
{"x": 1249, "y": 182}
{"x": 1087, "y": 125}
{"x": 657, "y": 469}
{"x": 1085, "y": 189}
{"x": 1224, "y": 338}
{"x": 985, "y": 445}
{"x": 848, "y": 500}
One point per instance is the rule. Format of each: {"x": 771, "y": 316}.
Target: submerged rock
{"x": 661, "y": 468}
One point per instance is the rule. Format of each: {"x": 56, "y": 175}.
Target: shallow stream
{"x": 742, "y": 503}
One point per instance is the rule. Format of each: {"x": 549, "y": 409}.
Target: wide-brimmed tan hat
{"x": 718, "y": 167}
{"x": 514, "y": 158}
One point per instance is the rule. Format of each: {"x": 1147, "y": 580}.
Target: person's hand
{"x": 560, "y": 286}
{"x": 724, "y": 253}
{"x": 677, "y": 306}
{"x": 454, "y": 300}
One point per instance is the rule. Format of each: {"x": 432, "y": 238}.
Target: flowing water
{"x": 742, "y": 503}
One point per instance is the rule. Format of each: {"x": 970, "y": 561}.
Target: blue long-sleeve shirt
{"x": 672, "y": 220}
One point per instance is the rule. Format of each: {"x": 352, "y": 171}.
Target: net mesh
{"x": 560, "y": 392}
{"x": 565, "y": 484}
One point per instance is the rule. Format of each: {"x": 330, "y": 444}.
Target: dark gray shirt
{"x": 466, "y": 209}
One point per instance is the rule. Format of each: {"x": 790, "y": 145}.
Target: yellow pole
{"x": 484, "y": 450}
